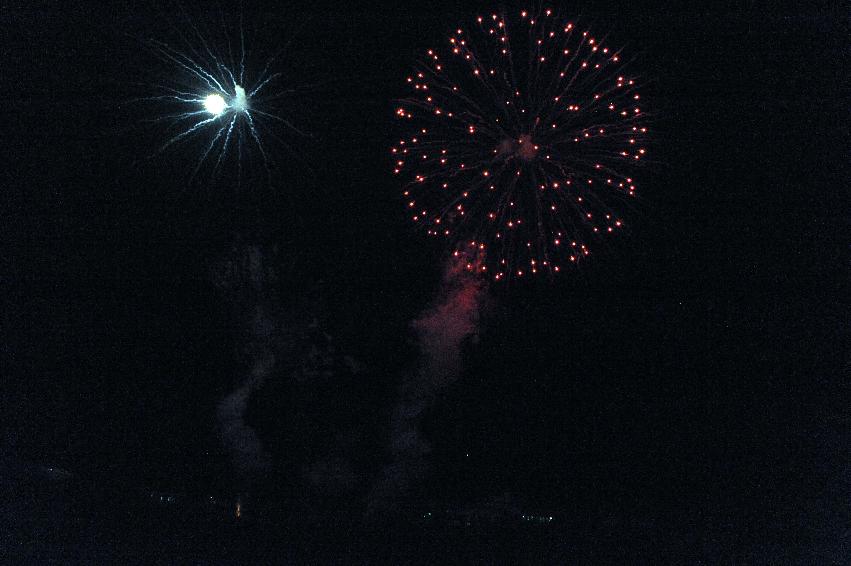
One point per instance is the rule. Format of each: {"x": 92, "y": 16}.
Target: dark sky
{"x": 700, "y": 359}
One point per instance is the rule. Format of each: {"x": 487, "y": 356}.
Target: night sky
{"x": 696, "y": 367}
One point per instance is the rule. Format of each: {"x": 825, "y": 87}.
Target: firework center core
{"x": 522, "y": 148}
{"x": 526, "y": 148}
{"x": 215, "y": 104}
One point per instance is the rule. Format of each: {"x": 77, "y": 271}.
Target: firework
{"x": 217, "y": 99}
{"x": 520, "y": 142}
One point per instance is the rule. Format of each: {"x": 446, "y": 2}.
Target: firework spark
{"x": 520, "y": 141}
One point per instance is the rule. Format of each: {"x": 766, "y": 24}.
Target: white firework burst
{"x": 219, "y": 103}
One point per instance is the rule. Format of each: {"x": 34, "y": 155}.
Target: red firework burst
{"x": 520, "y": 142}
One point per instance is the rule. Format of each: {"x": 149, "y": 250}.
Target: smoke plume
{"x": 248, "y": 279}
{"x": 441, "y": 331}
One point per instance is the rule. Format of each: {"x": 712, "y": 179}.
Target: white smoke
{"x": 248, "y": 279}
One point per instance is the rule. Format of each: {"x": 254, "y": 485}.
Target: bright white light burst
{"x": 215, "y": 104}
{"x": 204, "y": 98}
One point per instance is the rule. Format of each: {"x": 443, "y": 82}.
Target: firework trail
{"x": 520, "y": 141}
{"x": 248, "y": 277}
{"x": 441, "y": 330}
{"x": 238, "y": 437}
{"x": 285, "y": 350}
